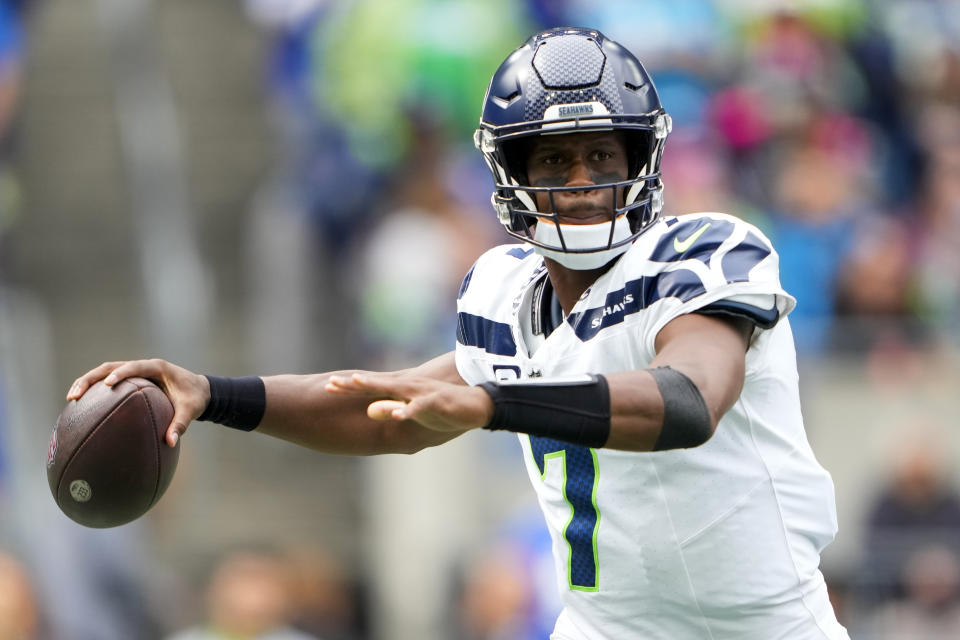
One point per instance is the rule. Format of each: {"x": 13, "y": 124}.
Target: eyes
{"x": 559, "y": 158}
{"x": 556, "y": 160}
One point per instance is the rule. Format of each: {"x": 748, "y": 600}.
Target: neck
{"x": 569, "y": 284}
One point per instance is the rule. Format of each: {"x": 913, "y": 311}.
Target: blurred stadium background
{"x": 289, "y": 186}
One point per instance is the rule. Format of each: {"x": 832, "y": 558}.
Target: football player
{"x": 645, "y": 361}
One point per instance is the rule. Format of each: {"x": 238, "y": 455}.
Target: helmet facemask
{"x": 635, "y": 202}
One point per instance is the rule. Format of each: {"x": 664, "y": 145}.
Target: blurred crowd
{"x": 833, "y": 125}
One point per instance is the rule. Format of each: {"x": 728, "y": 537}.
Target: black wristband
{"x": 577, "y": 411}
{"x": 686, "y": 419}
{"x": 238, "y": 403}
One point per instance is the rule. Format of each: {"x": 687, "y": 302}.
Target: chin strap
{"x": 582, "y": 236}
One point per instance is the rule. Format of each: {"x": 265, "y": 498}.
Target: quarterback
{"x": 645, "y": 362}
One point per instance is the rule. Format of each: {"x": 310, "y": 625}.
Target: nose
{"x": 579, "y": 175}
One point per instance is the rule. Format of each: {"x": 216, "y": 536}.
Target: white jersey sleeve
{"x": 707, "y": 262}
{"x": 487, "y": 305}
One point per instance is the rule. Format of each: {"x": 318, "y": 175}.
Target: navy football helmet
{"x": 568, "y": 80}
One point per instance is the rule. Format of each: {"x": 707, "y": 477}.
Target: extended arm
{"x": 709, "y": 350}
{"x": 299, "y": 408}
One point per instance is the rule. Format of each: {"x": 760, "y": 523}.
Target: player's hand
{"x": 434, "y": 404}
{"x": 189, "y": 392}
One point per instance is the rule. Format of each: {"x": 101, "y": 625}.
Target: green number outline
{"x": 562, "y": 454}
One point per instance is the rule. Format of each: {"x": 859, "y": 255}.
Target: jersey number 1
{"x": 580, "y": 492}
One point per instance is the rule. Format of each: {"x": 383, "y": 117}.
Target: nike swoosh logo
{"x": 681, "y": 246}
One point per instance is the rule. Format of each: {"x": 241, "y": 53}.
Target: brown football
{"x": 108, "y": 462}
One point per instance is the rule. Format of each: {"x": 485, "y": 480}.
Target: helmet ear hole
{"x": 518, "y": 224}
{"x": 514, "y": 158}
{"x": 639, "y": 147}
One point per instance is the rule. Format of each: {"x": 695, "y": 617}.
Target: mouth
{"x": 584, "y": 215}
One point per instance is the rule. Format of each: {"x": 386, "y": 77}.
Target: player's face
{"x": 575, "y": 160}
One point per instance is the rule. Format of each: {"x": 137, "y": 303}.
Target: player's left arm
{"x": 710, "y": 350}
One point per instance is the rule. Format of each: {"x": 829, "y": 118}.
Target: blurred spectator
{"x": 326, "y": 601}
{"x": 427, "y": 236}
{"x": 318, "y": 197}
{"x": 813, "y": 228}
{"x": 919, "y": 508}
{"x": 104, "y": 583}
{"x": 875, "y": 277}
{"x": 509, "y": 589}
{"x": 930, "y": 609}
{"x": 343, "y": 133}
{"x": 248, "y": 598}
{"x": 497, "y": 599}
{"x": 317, "y": 171}
{"x": 874, "y": 297}
{"x": 697, "y": 171}
{"x": 342, "y": 128}
{"x": 19, "y": 615}
{"x": 800, "y": 63}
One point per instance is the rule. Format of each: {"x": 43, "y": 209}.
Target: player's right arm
{"x": 299, "y": 409}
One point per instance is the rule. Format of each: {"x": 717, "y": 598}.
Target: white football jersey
{"x": 718, "y": 541}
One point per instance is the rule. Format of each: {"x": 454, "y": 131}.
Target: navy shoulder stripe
{"x": 635, "y": 296}
{"x": 699, "y": 239}
{"x": 466, "y": 282}
{"x": 493, "y": 337}
{"x": 763, "y": 318}
{"x": 738, "y": 262}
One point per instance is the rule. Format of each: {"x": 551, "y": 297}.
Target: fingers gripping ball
{"x": 107, "y": 462}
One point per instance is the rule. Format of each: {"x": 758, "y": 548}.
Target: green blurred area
{"x": 383, "y": 62}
